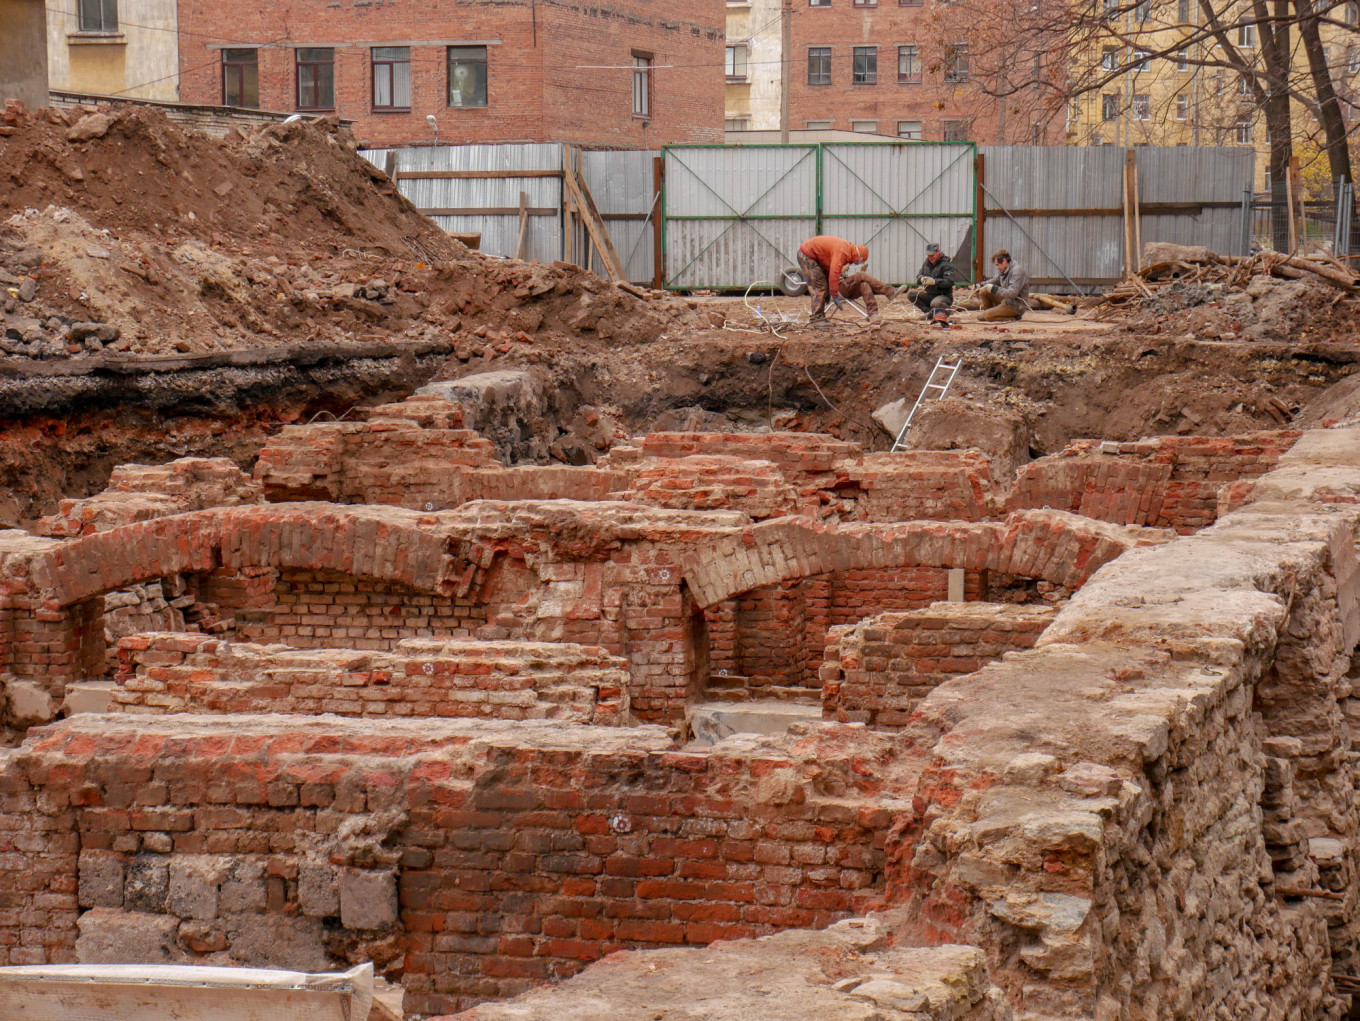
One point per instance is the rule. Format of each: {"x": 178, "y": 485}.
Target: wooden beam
{"x": 1130, "y": 258}
{"x": 598, "y": 235}
{"x": 490, "y": 211}
{"x": 658, "y": 256}
{"x": 522, "y": 244}
{"x": 477, "y": 175}
{"x": 979, "y": 199}
{"x": 1146, "y": 208}
{"x": 612, "y": 261}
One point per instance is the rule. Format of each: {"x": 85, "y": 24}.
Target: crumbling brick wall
{"x": 912, "y": 485}
{"x": 423, "y": 678}
{"x": 468, "y": 860}
{"x": 1163, "y": 482}
{"x": 877, "y": 671}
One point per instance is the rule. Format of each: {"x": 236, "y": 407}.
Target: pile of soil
{"x": 124, "y": 232}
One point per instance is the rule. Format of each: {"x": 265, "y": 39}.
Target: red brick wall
{"x": 877, "y": 671}
{"x": 843, "y": 26}
{"x": 162, "y": 673}
{"x": 535, "y": 91}
{"x": 323, "y": 609}
{"x": 512, "y": 857}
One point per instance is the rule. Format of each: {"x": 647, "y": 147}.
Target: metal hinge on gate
{"x": 943, "y": 370}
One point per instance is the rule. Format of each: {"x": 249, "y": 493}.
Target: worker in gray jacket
{"x": 1004, "y": 296}
{"x": 935, "y": 279}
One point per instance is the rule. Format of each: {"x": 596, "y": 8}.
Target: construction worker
{"x": 935, "y": 281}
{"x": 862, "y": 286}
{"x": 1004, "y": 296}
{"x": 821, "y": 260}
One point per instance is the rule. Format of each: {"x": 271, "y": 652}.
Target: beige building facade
{"x": 754, "y": 53}
{"x": 23, "y": 59}
{"x": 126, "y": 48}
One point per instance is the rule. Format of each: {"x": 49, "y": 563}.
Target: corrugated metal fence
{"x": 730, "y": 215}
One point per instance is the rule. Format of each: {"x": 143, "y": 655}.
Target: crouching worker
{"x": 862, "y": 287}
{"x": 1004, "y": 296}
{"x": 821, "y": 260}
{"x": 935, "y": 281}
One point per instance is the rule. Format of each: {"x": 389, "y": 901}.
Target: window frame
{"x": 916, "y": 77}
{"x": 1244, "y": 124}
{"x": 390, "y": 64}
{"x": 731, "y": 67}
{"x": 1142, "y": 61}
{"x": 230, "y": 64}
{"x": 1182, "y": 108}
{"x": 644, "y": 64}
{"x": 918, "y": 136}
{"x": 1246, "y": 36}
{"x": 299, "y": 64}
{"x": 822, "y": 54}
{"x": 1183, "y": 60}
{"x": 1109, "y": 106}
{"x": 102, "y": 27}
{"x": 873, "y": 130}
{"x": 1109, "y": 58}
{"x": 819, "y": 3}
{"x": 869, "y": 74}
{"x": 1140, "y": 109}
{"x": 956, "y": 125}
{"x": 450, "y": 61}
{"x": 956, "y": 72}
{"x": 1183, "y": 11}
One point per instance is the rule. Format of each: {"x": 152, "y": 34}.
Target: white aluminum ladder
{"x": 946, "y": 372}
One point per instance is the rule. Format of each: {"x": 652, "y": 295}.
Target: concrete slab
{"x": 711, "y": 722}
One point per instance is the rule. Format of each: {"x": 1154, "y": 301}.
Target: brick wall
{"x": 536, "y": 83}
{"x": 911, "y": 485}
{"x": 877, "y": 671}
{"x": 326, "y": 609}
{"x": 712, "y": 482}
{"x": 165, "y": 673}
{"x": 1163, "y": 482}
{"x": 468, "y": 860}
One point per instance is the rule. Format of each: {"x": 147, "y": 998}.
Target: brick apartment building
{"x": 891, "y": 67}
{"x": 623, "y": 73}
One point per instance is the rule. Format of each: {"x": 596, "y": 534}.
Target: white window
{"x": 1243, "y": 129}
{"x": 956, "y": 62}
{"x": 1142, "y": 108}
{"x": 736, "y": 124}
{"x": 1244, "y": 86}
{"x": 1109, "y": 58}
{"x": 910, "y": 129}
{"x": 869, "y": 127}
{"x": 1182, "y": 108}
{"x": 817, "y": 125}
{"x": 1246, "y": 36}
{"x": 736, "y": 63}
{"x": 1142, "y": 11}
{"x": 1353, "y": 60}
{"x": 1183, "y": 59}
{"x": 642, "y": 86}
{"x": 1141, "y": 60}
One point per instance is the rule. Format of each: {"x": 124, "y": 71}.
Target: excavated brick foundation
{"x": 1075, "y": 748}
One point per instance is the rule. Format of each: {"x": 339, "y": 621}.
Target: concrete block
{"x": 318, "y": 890}
{"x": 147, "y": 883}
{"x": 100, "y": 882}
{"x": 113, "y": 936}
{"x": 27, "y": 703}
{"x": 88, "y": 697}
{"x": 368, "y": 899}
{"x": 194, "y": 881}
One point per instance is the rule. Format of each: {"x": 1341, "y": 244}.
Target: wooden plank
{"x": 979, "y": 253}
{"x": 1130, "y": 259}
{"x": 490, "y": 211}
{"x": 391, "y": 166}
{"x": 1137, "y": 220}
{"x": 522, "y": 244}
{"x": 658, "y": 256}
{"x": 477, "y": 175}
{"x": 611, "y": 257}
{"x": 595, "y": 229}
{"x": 1146, "y": 208}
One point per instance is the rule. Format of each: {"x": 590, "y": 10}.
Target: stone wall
{"x": 468, "y": 860}
{"x": 877, "y": 671}
{"x": 176, "y": 673}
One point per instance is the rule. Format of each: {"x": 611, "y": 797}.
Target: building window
{"x": 736, "y": 63}
{"x": 910, "y": 129}
{"x": 1246, "y": 36}
{"x": 866, "y": 3}
{"x": 866, "y": 65}
{"x": 241, "y": 78}
{"x": 867, "y": 127}
{"x": 1111, "y": 9}
{"x": 1142, "y": 108}
{"x": 909, "y": 64}
{"x": 819, "y": 3}
{"x": 817, "y": 125}
{"x": 1353, "y": 61}
{"x": 819, "y": 65}
{"x": 467, "y": 75}
{"x": 1142, "y": 11}
{"x": 1351, "y": 14}
{"x": 1182, "y": 108}
{"x": 956, "y": 62}
{"x": 911, "y": 3}
{"x": 1109, "y": 58}
{"x": 642, "y": 85}
{"x": 1183, "y": 59}
{"x": 392, "y": 78}
{"x": 1109, "y": 106}
{"x": 956, "y": 130}
{"x": 315, "y": 78}
{"x": 1182, "y": 11}
{"x": 736, "y": 124}
{"x": 1244, "y": 87}
{"x": 1142, "y": 59}
{"x": 99, "y": 16}
{"x": 1243, "y": 129}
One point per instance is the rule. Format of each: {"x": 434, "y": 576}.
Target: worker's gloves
{"x": 839, "y": 302}
{"x": 927, "y": 281}
{"x": 988, "y": 288}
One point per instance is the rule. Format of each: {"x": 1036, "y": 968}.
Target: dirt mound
{"x": 125, "y": 231}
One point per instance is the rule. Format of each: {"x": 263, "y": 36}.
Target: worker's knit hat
{"x": 932, "y": 247}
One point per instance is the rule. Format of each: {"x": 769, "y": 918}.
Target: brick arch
{"x": 385, "y": 545}
{"x": 1055, "y": 546}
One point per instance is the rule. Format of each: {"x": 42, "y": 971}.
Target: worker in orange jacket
{"x": 821, "y": 260}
